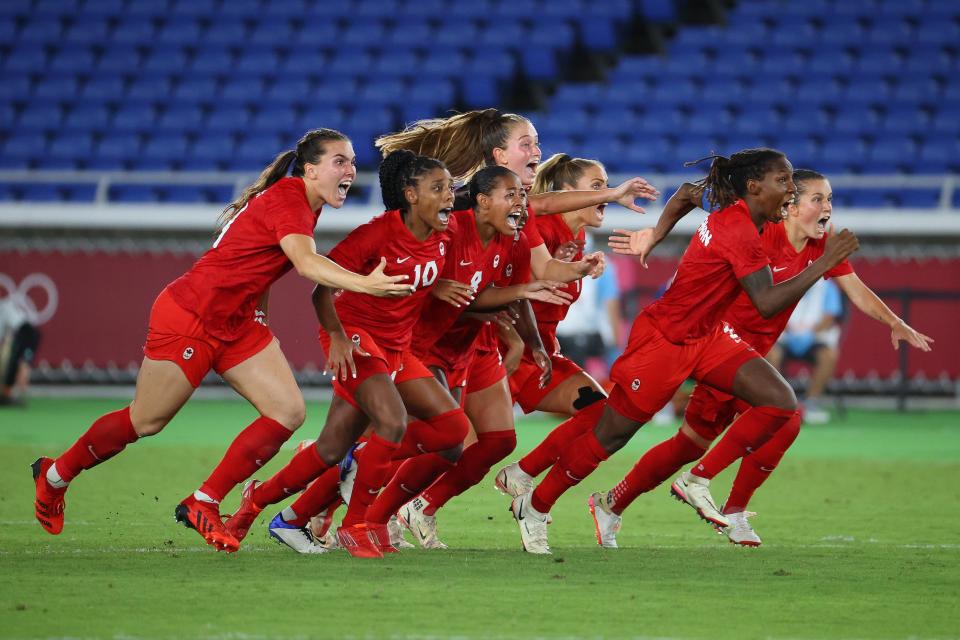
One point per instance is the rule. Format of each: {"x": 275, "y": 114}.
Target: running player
{"x": 790, "y": 247}
{"x": 215, "y": 317}
{"x": 681, "y": 335}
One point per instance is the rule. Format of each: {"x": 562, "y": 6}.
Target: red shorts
{"x": 710, "y": 411}
{"x": 525, "y": 381}
{"x": 386, "y": 361}
{"x": 412, "y": 368}
{"x": 455, "y": 377}
{"x": 178, "y": 335}
{"x": 485, "y": 370}
{"x": 652, "y": 368}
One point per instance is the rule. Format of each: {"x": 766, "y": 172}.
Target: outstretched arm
{"x": 866, "y": 300}
{"x": 302, "y": 252}
{"x": 641, "y": 243}
{"x": 624, "y": 194}
{"x": 546, "y": 267}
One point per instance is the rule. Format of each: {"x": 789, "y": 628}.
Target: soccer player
{"x": 468, "y": 141}
{"x": 790, "y": 246}
{"x": 215, "y": 317}
{"x": 681, "y": 335}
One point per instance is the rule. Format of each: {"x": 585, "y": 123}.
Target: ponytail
{"x": 726, "y": 181}
{"x": 559, "y": 171}
{"x": 486, "y": 180}
{"x": 464, "y": 142}
{"x": 310, "y": 148}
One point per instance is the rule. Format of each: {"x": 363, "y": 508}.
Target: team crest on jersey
{"x": 509, "y": 270}
{"x": 188, "y": 353}
{"x": 496, "y": 261}
{"x": 635, "y": 384}
{"x": 443, "y": 249}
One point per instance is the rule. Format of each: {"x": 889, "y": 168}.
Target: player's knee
{"x": 292, "y": 415}
{"x": 391, "y": 428}
{"x": 783, "y": 397}
{"x": 452, "y": 454}
{"x": 148, "y": 426}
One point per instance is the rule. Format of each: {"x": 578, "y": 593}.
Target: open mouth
{"x": 444, "y": 215}
{"x": 533, "y": 164}
{"x": 600, "y": 210}
{"x": 822, "y": 224}
{"x": 783, "y": 207}
{"x": 343, "y": 187}
{"x": 513, "y": 218}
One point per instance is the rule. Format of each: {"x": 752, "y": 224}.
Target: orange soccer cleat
{"x": 48, "y": 504}
{"x": 356, "y": 540}
{"x": 204, "y": 518}
{"x": 242, "y": 519}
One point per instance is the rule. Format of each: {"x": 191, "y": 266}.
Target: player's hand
{"x": 453, "y": 292}
{"x": 839, "y": 246}
{"x": 903, "y": 331}
{"x": 379, "y": 284}
{"x": 546, "y": 291}
{"x": 633, "y": 243}
{"x": 627, "y": 192}
{"x": 340, "y": 362}
{"x": 567, "y": 250}
{"x": 593, "y": 265}
{"x": 543, "y": 361}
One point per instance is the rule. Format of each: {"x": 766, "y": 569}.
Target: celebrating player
{"x": 215, "y": 317}
{"x": 790, "y": 247}
{"x": 681, "y": 335}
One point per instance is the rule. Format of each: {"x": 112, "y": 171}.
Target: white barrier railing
{"x": 101, "y": 213}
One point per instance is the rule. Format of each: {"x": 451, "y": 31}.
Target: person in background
{"x": 19, "y": 341}
{"x": 813, "y": 335}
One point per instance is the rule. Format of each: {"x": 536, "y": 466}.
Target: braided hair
{"x": 727, "y": 179}
{"x": 399, "y": 170}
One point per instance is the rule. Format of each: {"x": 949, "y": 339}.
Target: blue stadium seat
{"x": 132, "y": 193}
{"x": 294, "y": 88}
{"x": 119, "y": 147}
{"x": 16, "y": 86}
{"x": 505, "y": 36}
{"x": 892, "y": 154}
{"x": 598, "y": 33}
{"x": 150, "y": 87}
{"x": 856, "y": 121}
{"x": 119, "y": 59}
{"x": 272, "y": 31}
{"x": 88, "y": 31}
{"x": 79, "y": 192}
{"x": 905, "y": 119}
{"x": 657, "y": 10}
{"x": 26, "y": 58}
{"x": 40, "y": 116}
{"x": 316, "y": 116}
{"x": 182, "y": 194}
{"x": 179, "y": 31}
{"x": 104, "y": 8}
{"x": 303, "y": 64}
{"x": 274, "y": 119}
{"x": 225, "y": 33}
{"x": 40, "y": 193}
{"x": 917, "y": 90}
{"x": 406, "y": 35}
{"x": 56, "y": 87}
{"x": 210, "y": 151}
{"x": 134, "y": 116}
{"x": 945, "y": 120}
{"x": 211, "y": 61}
{"x": 257, "y": 61}
{"x": 196, "y": 88}
{"x": 551, "y": 34}
{"x": 256, "y": 151}
{"x": 199, "y": 8}
{"x": 397, "y": 64}
{"x": 101, "y": 88}
{"x": 919, "y": 198}
{"x": 133, "y": 31}
{"x": 228, "y": 118}
{"x": 364, "y": 34}
{"x": 243, "y": 89}
{"x": 74, "y": 146}
{"x": 181, "y": 117}
{"x": 165, "y": 59}
{"x": 72, "y": 59}
{"x": 442, "y": 63}
{"x": 40, "y": 32}
{"x": 879, "y": 61}
{"x": 148, "y": 10}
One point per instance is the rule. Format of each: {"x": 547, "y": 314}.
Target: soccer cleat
{"x": 532, "y": 523}
{"x": 740, "y": 532}
{"x": 242, "y": 519}
{"x": 396, "y": 534}
{"x": 356, "y": 540}
{"x": 605, "y": 522}
{"x": 48, "y": 504}
{"x": 513, "y": 481}
{"x": 380, "y": 536}
{"x": 422, "y": 526}
{"x": 320, "y": 528}
{"x": 204, "y": 518}
{"x": 297, "y": 538}
{"x": 348, "y": 473}
{"x": 695, "y": 492}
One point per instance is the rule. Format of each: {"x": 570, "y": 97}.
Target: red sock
{"x": 105, "y": 438}
{"x": 371, "y": 474}
{"x": 757, "y": 467}
{"x": 746, "y": 434}
{"x": 489, "y": 449}
{"x": 579, "y": 460}
{"x": 321, "y": 492}
{"x": 293, "y": 478}
{"x": 414, "y": 475}
{"x": 656, "y": 465}
{"x": 438, "y": 433}
{"x": 249, "y": 451}
{"x": 548, "y": 451}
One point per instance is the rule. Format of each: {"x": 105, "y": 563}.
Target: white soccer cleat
{"x": 396, "y": 535}
{"x": 422, "y": 526}
{"x": 348, "y": 473}
{"x": 740, "y": 532}
{"x": 532, "y": 523}
{"x": 513, "y": 481}
{"x": 297, "y": 538}
{"x": 605, "y": 522}
{"x": 695, "y": 491}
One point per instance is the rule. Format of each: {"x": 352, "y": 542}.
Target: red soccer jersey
{"x": 532, "y": 229}
{"x": 517, "y": 271}
{"x": 724, "y": 249}
{"x": 390, "y": 320}
{"x": 786, "y": 262}
{"x": 555, "y": 232}
{"x": 438, "y": 332}
{"x": 225, "y": 284}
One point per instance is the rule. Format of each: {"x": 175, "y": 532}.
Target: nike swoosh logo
{"x": 778, "y": 269}
{"x": 95, "y": 457}
{"x": 573, "y": 477}
{"x": 464, "y": 263}
{"x": 406, "y": 488}
{"x": 402, "y": 260}
{"x": 373, "y": 491}
{"x": 259, "y": 462}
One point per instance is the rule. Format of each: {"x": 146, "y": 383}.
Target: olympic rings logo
{"x": 22, "y": 295}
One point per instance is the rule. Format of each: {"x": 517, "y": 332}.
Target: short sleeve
{"x": 518, "y": 266}
{"x": 842, "y": 269}
{"x": 358, "y": 248}
{"x": 288, "y": 212}
{"x": 739, "y": 244}
{"x": 534, "y": 239}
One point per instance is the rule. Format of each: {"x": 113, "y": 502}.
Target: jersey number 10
{"x": 428, "y": 272}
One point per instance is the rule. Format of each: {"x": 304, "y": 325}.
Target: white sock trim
{"x": 54, "y": 479}
{"x": 202, "y": 497}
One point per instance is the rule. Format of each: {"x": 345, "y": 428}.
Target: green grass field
{"x": 860, "y": 526}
